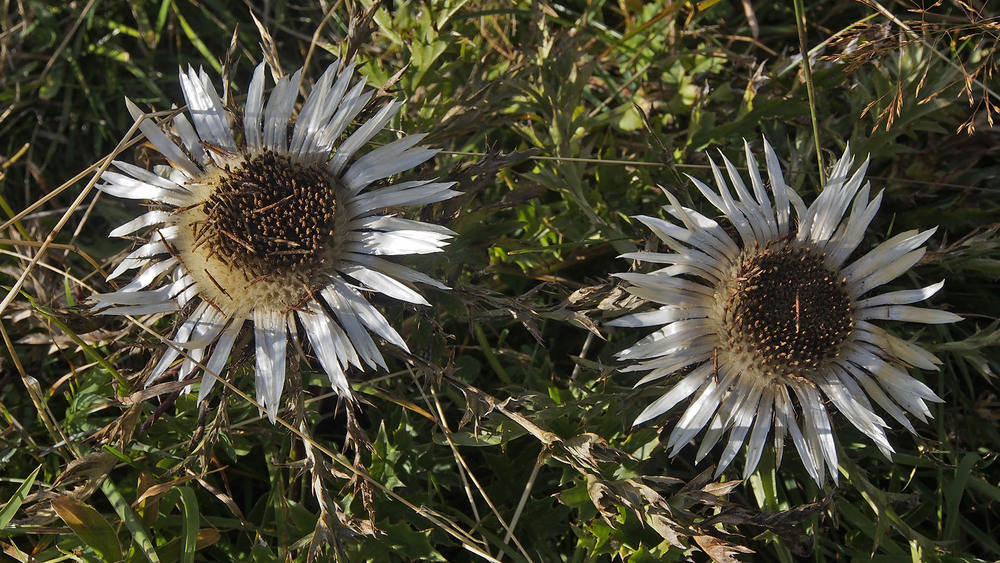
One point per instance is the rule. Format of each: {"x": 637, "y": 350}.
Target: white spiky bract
{"x": 714, "y": 362}
{"x": 327, "y": 296}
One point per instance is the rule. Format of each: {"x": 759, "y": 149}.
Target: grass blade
{"x": 14, "y": 504}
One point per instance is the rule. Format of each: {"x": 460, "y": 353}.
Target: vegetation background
{"x": 506, "y": 436}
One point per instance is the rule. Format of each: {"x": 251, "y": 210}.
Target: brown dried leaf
{"x": 229, "y": 68}
{"x": 720, "y": 550}
{"x": 587, "y": 450}
{"x": 518, "y": 309}
{"x": 786, "y": 524}
{"x": 589, "y": 296}
{"x": 781, "y": 522}
{"x": 359, "y": 28}
{"x": 698, "y": 482}
{"x": 661, "y": 481}
{"x": 226, "y": 500}
{"x": 269, "y": 49}
{"x": 721, "y": 489}
{"x": 478, "y": 405}
{"x": 90, "y": 469}
{"x": 81, "y": 478}
{"x": 482, "y": 173}
{"x": 156, "y": 491}
{"x": 577, "y": 318}
{"x": 603, "y": 497}
{"x": 667, "y": 529}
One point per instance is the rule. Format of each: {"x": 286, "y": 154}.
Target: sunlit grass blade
{"x": 14, "y": 503}
{"x": 132, "y": 522}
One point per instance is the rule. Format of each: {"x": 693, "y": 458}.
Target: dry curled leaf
{"x": 587, "y": 450}
{"x": 720, "y": 550}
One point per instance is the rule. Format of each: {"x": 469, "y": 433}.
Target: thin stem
{"x": 800, "y": 24}
{"x": 525, "y": 495}
{"x": 491, "y": 357}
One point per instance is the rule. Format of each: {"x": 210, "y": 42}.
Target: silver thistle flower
{"x": 275, "y": 224}
{"x": 762, "y": 330}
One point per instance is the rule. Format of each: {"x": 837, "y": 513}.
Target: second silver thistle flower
{"x": 761, "y": 330}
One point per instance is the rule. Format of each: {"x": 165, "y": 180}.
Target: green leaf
{"x": 10, "y": 509}
{"x": 953, "y": 493}
{"x": 177, "y": 550}
{"x": 192, "y": 35}
{"x": 88, "y": 525}
{"x": 189, "y": 534}
{"x": 139, "y": 534}
{"x": 401, "y": 541}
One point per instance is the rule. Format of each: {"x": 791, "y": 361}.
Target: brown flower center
{"x": 270, "y": 215}
{"x": 787, "y": 309}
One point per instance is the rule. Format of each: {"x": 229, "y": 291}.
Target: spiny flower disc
{"x": 269, "y": 214}
{"x": 786, "y": 309}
